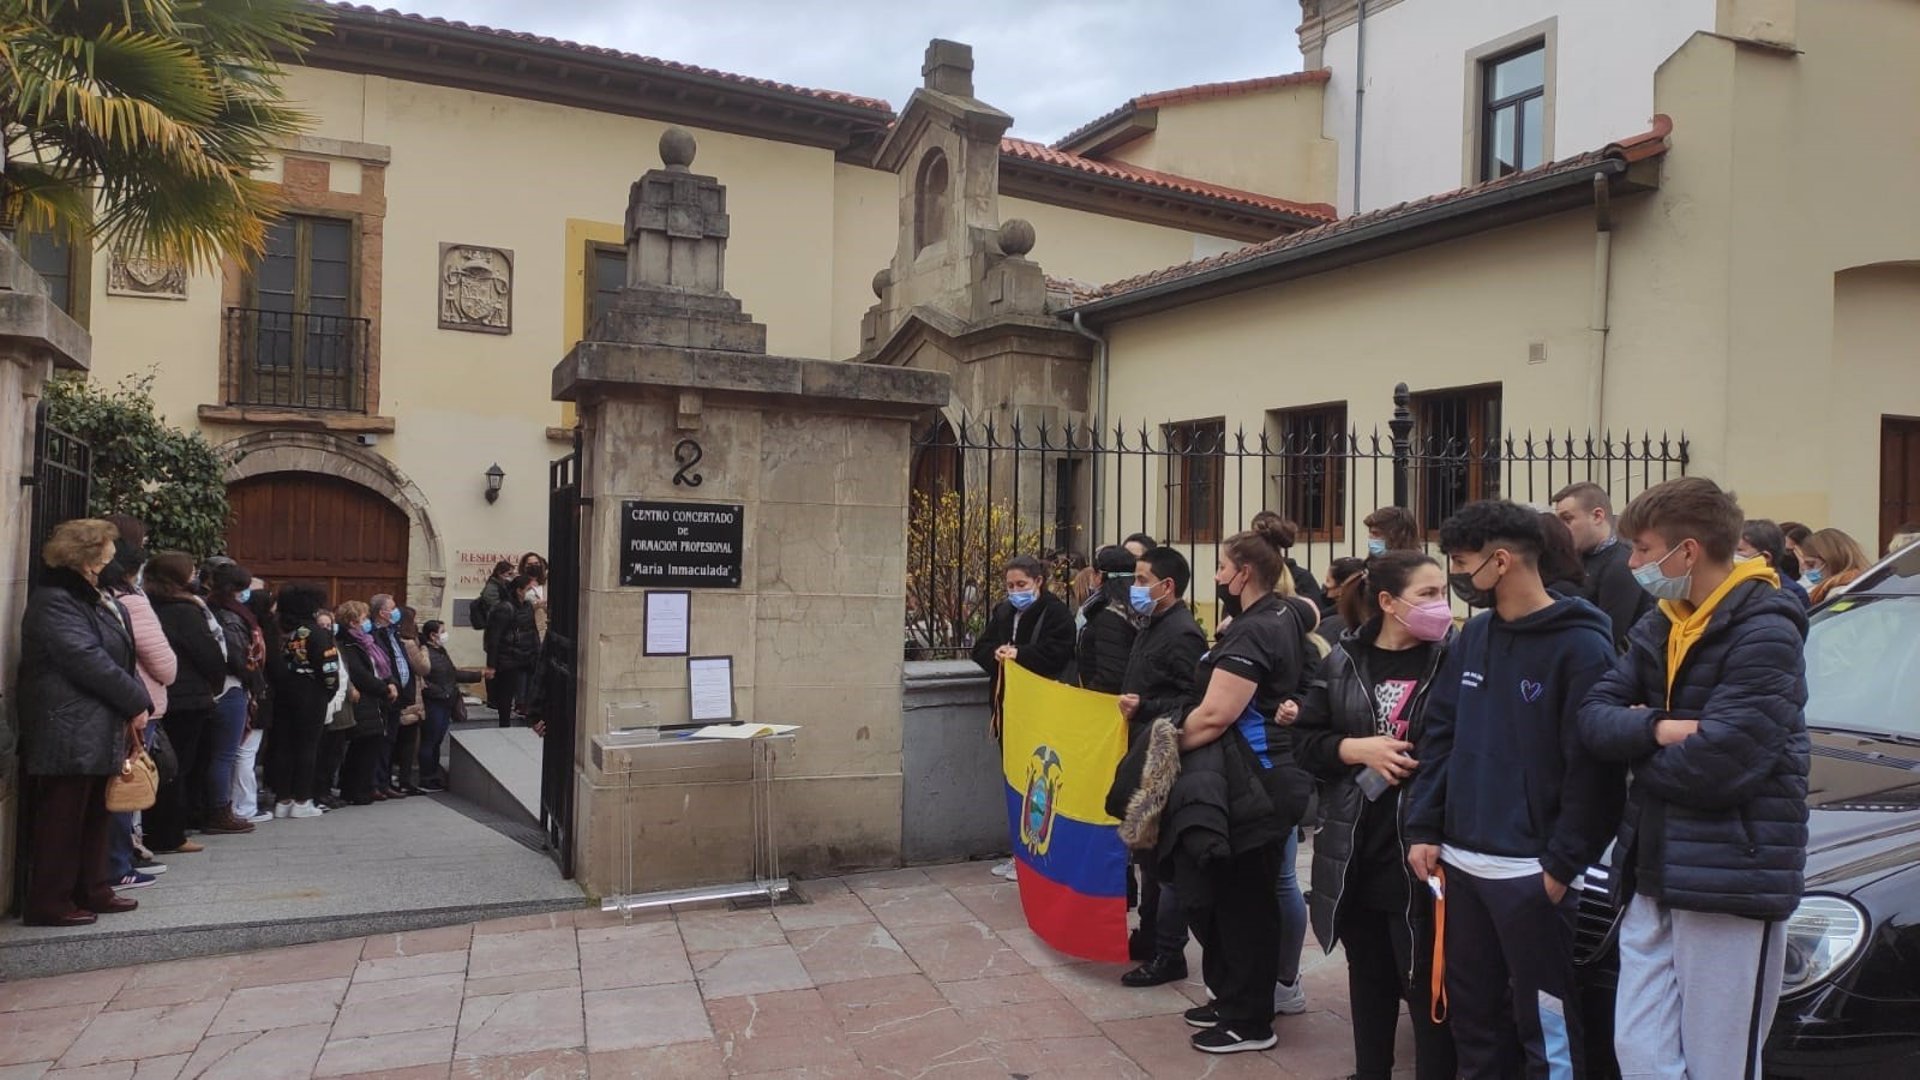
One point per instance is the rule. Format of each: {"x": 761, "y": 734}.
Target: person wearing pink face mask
{"x": 1356, "y": 732}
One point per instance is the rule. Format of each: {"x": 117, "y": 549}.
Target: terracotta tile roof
{"x": 1201, "y": 92}
{"x": 1648, "y": 144}
{"x": 1209, "y": 91}
{"x": 1041, "y": 154}
{"x": 1068, "y": 292}
{"x": 835, "y": 96}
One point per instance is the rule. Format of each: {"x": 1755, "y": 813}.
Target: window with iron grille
{"x": 299, "y": 344}
{"x": 1513, "y": 111}
{"x": 1195, "y": 474}
{"x": 1310, "y": 473}
{"x": 1456, "y": 450}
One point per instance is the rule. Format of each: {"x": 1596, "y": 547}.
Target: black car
{"x": 1850, "y": 1006}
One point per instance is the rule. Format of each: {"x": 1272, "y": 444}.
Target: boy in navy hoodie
{"x": 1506, "y": 809}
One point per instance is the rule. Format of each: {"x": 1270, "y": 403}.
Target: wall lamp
{"x": 495, "y": 477}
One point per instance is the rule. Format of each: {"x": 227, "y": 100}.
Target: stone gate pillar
{"x": 680, "y": 403}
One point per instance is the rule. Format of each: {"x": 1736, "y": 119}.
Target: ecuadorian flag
{"x": 1060, "y": 747}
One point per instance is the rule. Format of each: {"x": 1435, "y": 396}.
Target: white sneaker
{"x": 283, "y": 809}
{"x": 259, "y": 819}
{"x": 1289, "y": 1000}
{"x": 305, "y": 810}
{"x": 1004, "y": 870}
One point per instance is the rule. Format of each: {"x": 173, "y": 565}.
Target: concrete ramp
{"x": 498, "y": 769}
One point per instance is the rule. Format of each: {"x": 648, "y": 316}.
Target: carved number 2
{"x": 687, "y": 454}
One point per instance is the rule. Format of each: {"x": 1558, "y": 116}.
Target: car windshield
{"x": 1863, "y": 665}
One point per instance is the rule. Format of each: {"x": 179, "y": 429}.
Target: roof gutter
{"x": 1419, "y": 228}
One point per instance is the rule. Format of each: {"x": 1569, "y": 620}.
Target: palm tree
{"x": 142, "y": 122}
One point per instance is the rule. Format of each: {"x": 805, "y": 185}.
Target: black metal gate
{"x": 559, "y": 687}
{"x": 62, "y": 483}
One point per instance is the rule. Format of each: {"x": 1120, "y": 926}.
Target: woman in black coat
{"x": 370, "y": 674}
{"x": 1107, "y": 624}
{"x": 513, "y": 644}
{"x": 304, "y": 684}
{"x": 197, "y": 643}
{"x": 1032, "y": 627}
{"x": 81, "y": 705}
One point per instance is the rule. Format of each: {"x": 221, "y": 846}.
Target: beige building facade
{"x": 1747, "y": 271}
{"x": 454, "y": 223}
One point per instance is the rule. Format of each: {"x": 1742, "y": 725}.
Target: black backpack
{"x": 479, "y": 608}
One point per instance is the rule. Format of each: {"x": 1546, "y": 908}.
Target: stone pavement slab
{"x": 417, "y": 863}
{"x": 822, "y": 989}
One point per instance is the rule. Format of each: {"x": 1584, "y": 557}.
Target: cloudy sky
{"x": 1053, "y": 64}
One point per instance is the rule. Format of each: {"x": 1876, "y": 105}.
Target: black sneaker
{"x": 1203, "y": 1016}
{"x": 1225, "y": 1040}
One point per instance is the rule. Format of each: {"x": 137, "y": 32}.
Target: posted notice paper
{"x": 668, "y": 623}
{"x": 710, "y": 687}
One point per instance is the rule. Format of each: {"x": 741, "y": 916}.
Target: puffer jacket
{"x": 1105, "y": 643}
{"x": 1218, "y": 808}
{"x": 1721, "y": 818}
{"x": 78, "y": 690}
{"x": 1339, "y": 706}
{"x": 513, "y": 638}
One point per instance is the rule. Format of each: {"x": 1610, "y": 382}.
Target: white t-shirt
{"x": 1497, "y": 867}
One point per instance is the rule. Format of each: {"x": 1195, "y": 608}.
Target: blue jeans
{"x": 120, "y": 847}
{"x": 1293, "y": 911}
{"x": 439, "y": 720}
{"x": 229, "y": 727}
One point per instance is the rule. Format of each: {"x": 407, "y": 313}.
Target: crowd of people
{"x": 255, "y": 704}
{"x": 1632, "y": 680}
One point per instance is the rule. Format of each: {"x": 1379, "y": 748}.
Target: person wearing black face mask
{"x": 1507, "y": 808}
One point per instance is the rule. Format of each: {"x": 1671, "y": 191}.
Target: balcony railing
{"x": 296, "y": 360}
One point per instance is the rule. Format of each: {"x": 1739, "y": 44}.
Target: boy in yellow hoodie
{"x": 1706, "y": 708}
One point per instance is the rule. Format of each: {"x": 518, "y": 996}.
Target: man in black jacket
{"x": 1588, "y": 511}
{"x": 1507, "y": 799}
{"x": 1158, "y": 683}
{"x": 1707, "y": 709}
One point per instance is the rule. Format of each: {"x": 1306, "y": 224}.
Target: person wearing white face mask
{"x": 441, "y": 692}
{"x": 1356, "y": 733}
{"x": 1707, "y": 710}
{"x": 1159, "y": 682}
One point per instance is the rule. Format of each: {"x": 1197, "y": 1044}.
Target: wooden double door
{"x": 1899, "y": 476}
{"x": 314, "y": 527}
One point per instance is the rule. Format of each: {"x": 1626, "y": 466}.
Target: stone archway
{"x": 266, "y": 452}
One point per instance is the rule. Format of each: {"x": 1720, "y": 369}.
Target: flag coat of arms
{"x": 1060, "y": 747}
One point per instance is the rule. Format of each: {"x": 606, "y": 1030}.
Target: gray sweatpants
{"x": 1697, "y": 992}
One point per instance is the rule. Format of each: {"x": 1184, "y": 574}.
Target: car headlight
{"x": 1822, "y": 935}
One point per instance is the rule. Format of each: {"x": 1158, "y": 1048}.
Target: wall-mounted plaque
{"x": 681, "y": 545}
{"x": 476, "y": 289}
{"x": 145, "y": 275}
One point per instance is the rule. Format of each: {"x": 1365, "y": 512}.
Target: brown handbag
{"x": 137, "y": 786}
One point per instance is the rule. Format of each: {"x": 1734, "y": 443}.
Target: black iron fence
{"x": 983, "y": 492}
{"x": 62, "y": 481}
{"x": 560, "y": 655}
{"x": 296, "y": 359}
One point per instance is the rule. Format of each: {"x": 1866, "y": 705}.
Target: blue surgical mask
{"x": 1661, "y": 587}
{"x": 245, "y": 595}
{"x": 1813, "y": 575}
{"x": 1140, "y": 597}
{"x": 366, "y": 626}
{"x": 1021, "y": 599}
{"x": 1376, "y": 546}
{"x": 393, "y": 617}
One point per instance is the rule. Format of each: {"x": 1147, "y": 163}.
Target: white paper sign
{"x": 710, "y": 687}
{"x": 668, "y": 623}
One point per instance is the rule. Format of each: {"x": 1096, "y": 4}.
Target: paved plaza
{"x": 903, "y": 973}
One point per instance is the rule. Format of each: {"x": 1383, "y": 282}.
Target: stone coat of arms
{"x": 476, "y": 289}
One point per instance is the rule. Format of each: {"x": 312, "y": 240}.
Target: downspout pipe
{"x": 1099, "y": 414}
{"x": 1598, "y": 321}
{"x": 1359, "y": 97}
